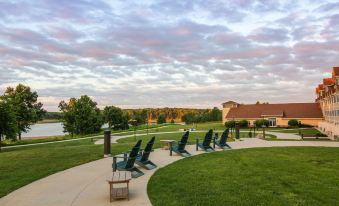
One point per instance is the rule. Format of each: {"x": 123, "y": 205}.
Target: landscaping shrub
{"x": 261, "y": 122}
{"x": 230, "y": 124}
{"x": 243, "y": 123}
{"x": 293, "y": 123}
{"x": 319, "y": 134}
{"x": 305, "y": 126}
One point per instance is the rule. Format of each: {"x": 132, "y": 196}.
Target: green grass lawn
{"x": 177, "y": 127}
{"x": 261, "y": 176}
{"x": 305, "y": 131}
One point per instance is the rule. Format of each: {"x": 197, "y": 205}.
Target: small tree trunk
{"x": 0, "y": 141}
{"x": 19, "y": 131}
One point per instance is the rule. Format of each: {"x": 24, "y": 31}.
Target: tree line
{"x": 20, "y": 108}
{"x": 206, "y": 115}
{"x": 161, "y": 115}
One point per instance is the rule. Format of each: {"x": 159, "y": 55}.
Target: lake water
{"x": 42, "y": 130}
{"x": 48, "y": 129}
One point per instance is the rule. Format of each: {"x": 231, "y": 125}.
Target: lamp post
{"x": 0, "y": 141}
{"x": 263, "y": 130}
{"x": 237, "y": 130}
{"x": 134, "y": 123}
{"x": 147, "y": 120}
{"x": 254, "y": 126}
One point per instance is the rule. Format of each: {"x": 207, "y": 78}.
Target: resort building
{"x": 328, "y": 98}
{"x": 278, "y": 115}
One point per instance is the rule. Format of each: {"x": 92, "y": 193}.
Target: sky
{"x": 198, "y": 54}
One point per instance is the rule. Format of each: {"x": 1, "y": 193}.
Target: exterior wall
{"x": 226, "y": 108}
{"x": 282, "y": 122}
{"x": 224, "y": 113}
{"x": 310, "y": 121}
{"x": 330, "y": 129}
{"x": 330, "y": 108}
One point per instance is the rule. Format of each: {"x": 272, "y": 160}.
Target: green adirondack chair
{"x": 180, "y": 147}
{"x": 143, "y": 159}
{"x": 221, "y": 142}
{"x": 128, "y": 163}
{"x": 205, "y": 145}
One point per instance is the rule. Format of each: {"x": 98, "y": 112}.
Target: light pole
{"x": 147, "y": 120}
{"x": 134, "y": 123}
{"x": 263, "y": 131}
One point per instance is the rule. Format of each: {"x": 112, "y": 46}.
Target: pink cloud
{"x": 182, "y": 31}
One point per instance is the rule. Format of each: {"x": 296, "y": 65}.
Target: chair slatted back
{"x": 148, "y": 150}
{"x": 182, "y": 143}
{"x": 208, "y": 138}
{"x": 224, "y": 137}
{"x": 133, "y": 155}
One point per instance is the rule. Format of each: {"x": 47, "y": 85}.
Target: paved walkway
{"x": 86, "y": 184}
{"x": 279, "y": 135}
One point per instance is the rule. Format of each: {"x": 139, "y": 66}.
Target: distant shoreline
{"x": 43, "y": 137}
{"x": 46, "y": 121}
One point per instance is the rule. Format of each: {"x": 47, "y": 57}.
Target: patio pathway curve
{"x": 86, "y": 184}
{"x": 279, "y": 135}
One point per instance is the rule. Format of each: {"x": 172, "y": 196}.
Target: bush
{"x": 172, "y": 121}
{"x": 305, "y": 126}
{"x": 261, "y": 122}
{"x": 293, "y": 123}
{"x": 230, "y": 124}
{"x": 243, "y": 123}
{"x": 320, "y": 135}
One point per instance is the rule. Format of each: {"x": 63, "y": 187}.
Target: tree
{"x": 124, "y": 120}
{"x": 189, "y": 118}
{"x": 25, "y": 105}
{"x": 113, "y": 116}
{"x": 215, "y": 114}
{"x": 141, "y": 116}
{"x": 68, "y": 115}
{"x": 293, "y": 123}
{"x": 8, "y": 124}
{"x": 81, "y": 116}
{"x": 161, "y": 119}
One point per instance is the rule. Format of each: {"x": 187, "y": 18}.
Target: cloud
{"x": 269, "y": 35}
{"x": 168, "y": 53}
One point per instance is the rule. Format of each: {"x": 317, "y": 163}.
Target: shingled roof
{"x": 335, "y": 71}
{"x": 288, "y": 110}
